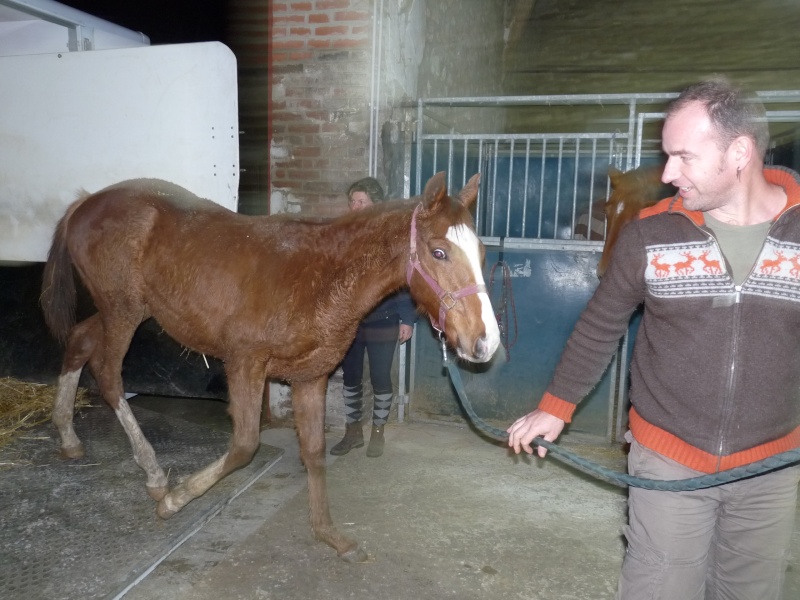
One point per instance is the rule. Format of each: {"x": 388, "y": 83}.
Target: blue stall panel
{"x": 550, "y": 289}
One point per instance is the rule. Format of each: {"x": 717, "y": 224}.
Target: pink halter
{"x": 447, "y": 300}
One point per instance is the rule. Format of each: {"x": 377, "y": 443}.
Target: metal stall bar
{"x": 505, "y": 147}
{"x": 525, "y": 196}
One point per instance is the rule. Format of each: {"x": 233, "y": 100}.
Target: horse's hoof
{"x": 356, "y": 555}
{"x": 157, "y": 493}
{"x": 166, "y": 508}
{"x": 73, "y": 451}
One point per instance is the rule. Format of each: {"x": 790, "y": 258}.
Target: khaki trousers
{"x": 729, "y": 542}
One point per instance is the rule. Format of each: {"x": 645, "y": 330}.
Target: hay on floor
{"x": 24, "y": 405}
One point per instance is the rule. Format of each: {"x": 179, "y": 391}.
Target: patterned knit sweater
{"x": 715, "y": 374}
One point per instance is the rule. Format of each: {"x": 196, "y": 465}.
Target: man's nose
{"x": 670, "y": 173}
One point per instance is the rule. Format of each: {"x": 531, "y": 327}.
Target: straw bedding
{"x": 24, "y": 405}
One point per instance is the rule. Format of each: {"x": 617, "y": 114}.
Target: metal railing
{"x": 542, "y": 188}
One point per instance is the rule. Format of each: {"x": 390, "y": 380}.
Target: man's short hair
{"x": 733, "y": 111}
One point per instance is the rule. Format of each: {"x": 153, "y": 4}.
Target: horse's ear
{"x": 469, "y": 194}
{"x": 435, "y": 190}
{"x": 614, "y": 174}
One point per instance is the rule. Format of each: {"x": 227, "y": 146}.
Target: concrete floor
{"x": 442, "y": 514}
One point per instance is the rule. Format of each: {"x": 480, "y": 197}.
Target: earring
{"x": 739, "y": 174}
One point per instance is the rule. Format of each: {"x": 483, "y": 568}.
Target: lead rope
{"x": 771, "y": 463}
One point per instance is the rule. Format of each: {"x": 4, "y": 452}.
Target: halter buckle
{"x": 447, "y": 300}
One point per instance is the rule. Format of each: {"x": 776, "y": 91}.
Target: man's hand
{"x": 534, "y": 424}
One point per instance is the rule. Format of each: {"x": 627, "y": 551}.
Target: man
{"x": 715, "y": 375}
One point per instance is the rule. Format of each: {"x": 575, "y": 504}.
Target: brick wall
{"x": 321, "y": 67}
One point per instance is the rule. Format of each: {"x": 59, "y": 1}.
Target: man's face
{"x": 359, "y": 201}
{"x": 695, "y": 165}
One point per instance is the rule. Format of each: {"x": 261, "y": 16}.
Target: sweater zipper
{"x": 726, "y": 410}
{"x": 727, "y": 406}
{"x": 727, "y": 402}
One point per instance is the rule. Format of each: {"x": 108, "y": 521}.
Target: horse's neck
{"x": 374, "y": 264}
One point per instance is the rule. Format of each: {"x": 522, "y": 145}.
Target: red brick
{"x": 288, "y": 44}
{"x": 301, "y": 6}
{"x": 326, "y": 4}
{"x": 300, "y": 31}
{"x": 351, "y": 15}
{"x": 297, "y": 56}
{"x": 319, "y": 115}
{"x": 308, "y": 103}
{"x": 307, "y": 152}
{"x": 319, "y": 44}
{"x": 349, "y": 43}
{"x": 332, "y": 30}
{"x": 299, "y": 174}
{"x": 289, "y": 19}
{"x": 318, "y": 18}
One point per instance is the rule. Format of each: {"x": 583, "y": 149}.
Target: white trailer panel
{"x": 84, "y": 120}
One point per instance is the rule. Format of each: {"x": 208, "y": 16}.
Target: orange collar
{"x": 786, "y": 178}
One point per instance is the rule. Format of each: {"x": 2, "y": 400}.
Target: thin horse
{"x": 272, "y": 297}
{"x": 630, "y": 192}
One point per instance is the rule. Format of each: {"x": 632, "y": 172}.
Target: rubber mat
{"x": 86, "y": 528}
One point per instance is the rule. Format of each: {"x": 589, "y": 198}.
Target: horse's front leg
{"x": 143, "y": 453}
{"x": 114, "y": 335}
{"x": 246, "y": 379}
{"x": 308, "y": 400}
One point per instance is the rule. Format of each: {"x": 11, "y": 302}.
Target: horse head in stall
{"x": 630, "y": 192}
{"x": 276, "y": 297}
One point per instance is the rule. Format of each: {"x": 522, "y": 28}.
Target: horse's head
{"x": 444, "y": 270}
{"x": 630, "y": 192}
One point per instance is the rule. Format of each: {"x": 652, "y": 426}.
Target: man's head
{"x": 364, "y": 192}
{"x": 732, "y": 110}
{"x": 715, "y": 135}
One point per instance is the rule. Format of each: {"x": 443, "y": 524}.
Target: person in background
{"x": 715, "y": 375}
{"x": 390, "y": 323}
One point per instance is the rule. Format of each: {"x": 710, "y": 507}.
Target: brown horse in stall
{"x": 630, "y": 192}
{"x": 271, "y": 296}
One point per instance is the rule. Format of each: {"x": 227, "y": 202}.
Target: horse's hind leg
{"x": 81, "y": 343}
{"x": 308, "y": 400}
{"x": 246, "y": 379}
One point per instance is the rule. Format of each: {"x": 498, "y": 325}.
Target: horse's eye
{"x": 439, "y": 254}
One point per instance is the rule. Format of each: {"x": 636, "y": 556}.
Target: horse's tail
{"x": 59, "y": 295}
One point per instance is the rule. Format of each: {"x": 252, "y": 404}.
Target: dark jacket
{"x": 715, "y": 375}
{"x": 400, "y": 304}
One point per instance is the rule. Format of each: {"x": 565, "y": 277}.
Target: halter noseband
{"x": 447, "y": 300}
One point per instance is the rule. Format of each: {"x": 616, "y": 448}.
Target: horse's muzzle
{"x": 482, "y": 350}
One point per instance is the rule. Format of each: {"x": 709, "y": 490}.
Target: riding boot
{"x": 376, "y": 442}
{"x": 353, "y": 438}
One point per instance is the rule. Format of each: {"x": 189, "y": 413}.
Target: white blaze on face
{"x": 463, "y": 237}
